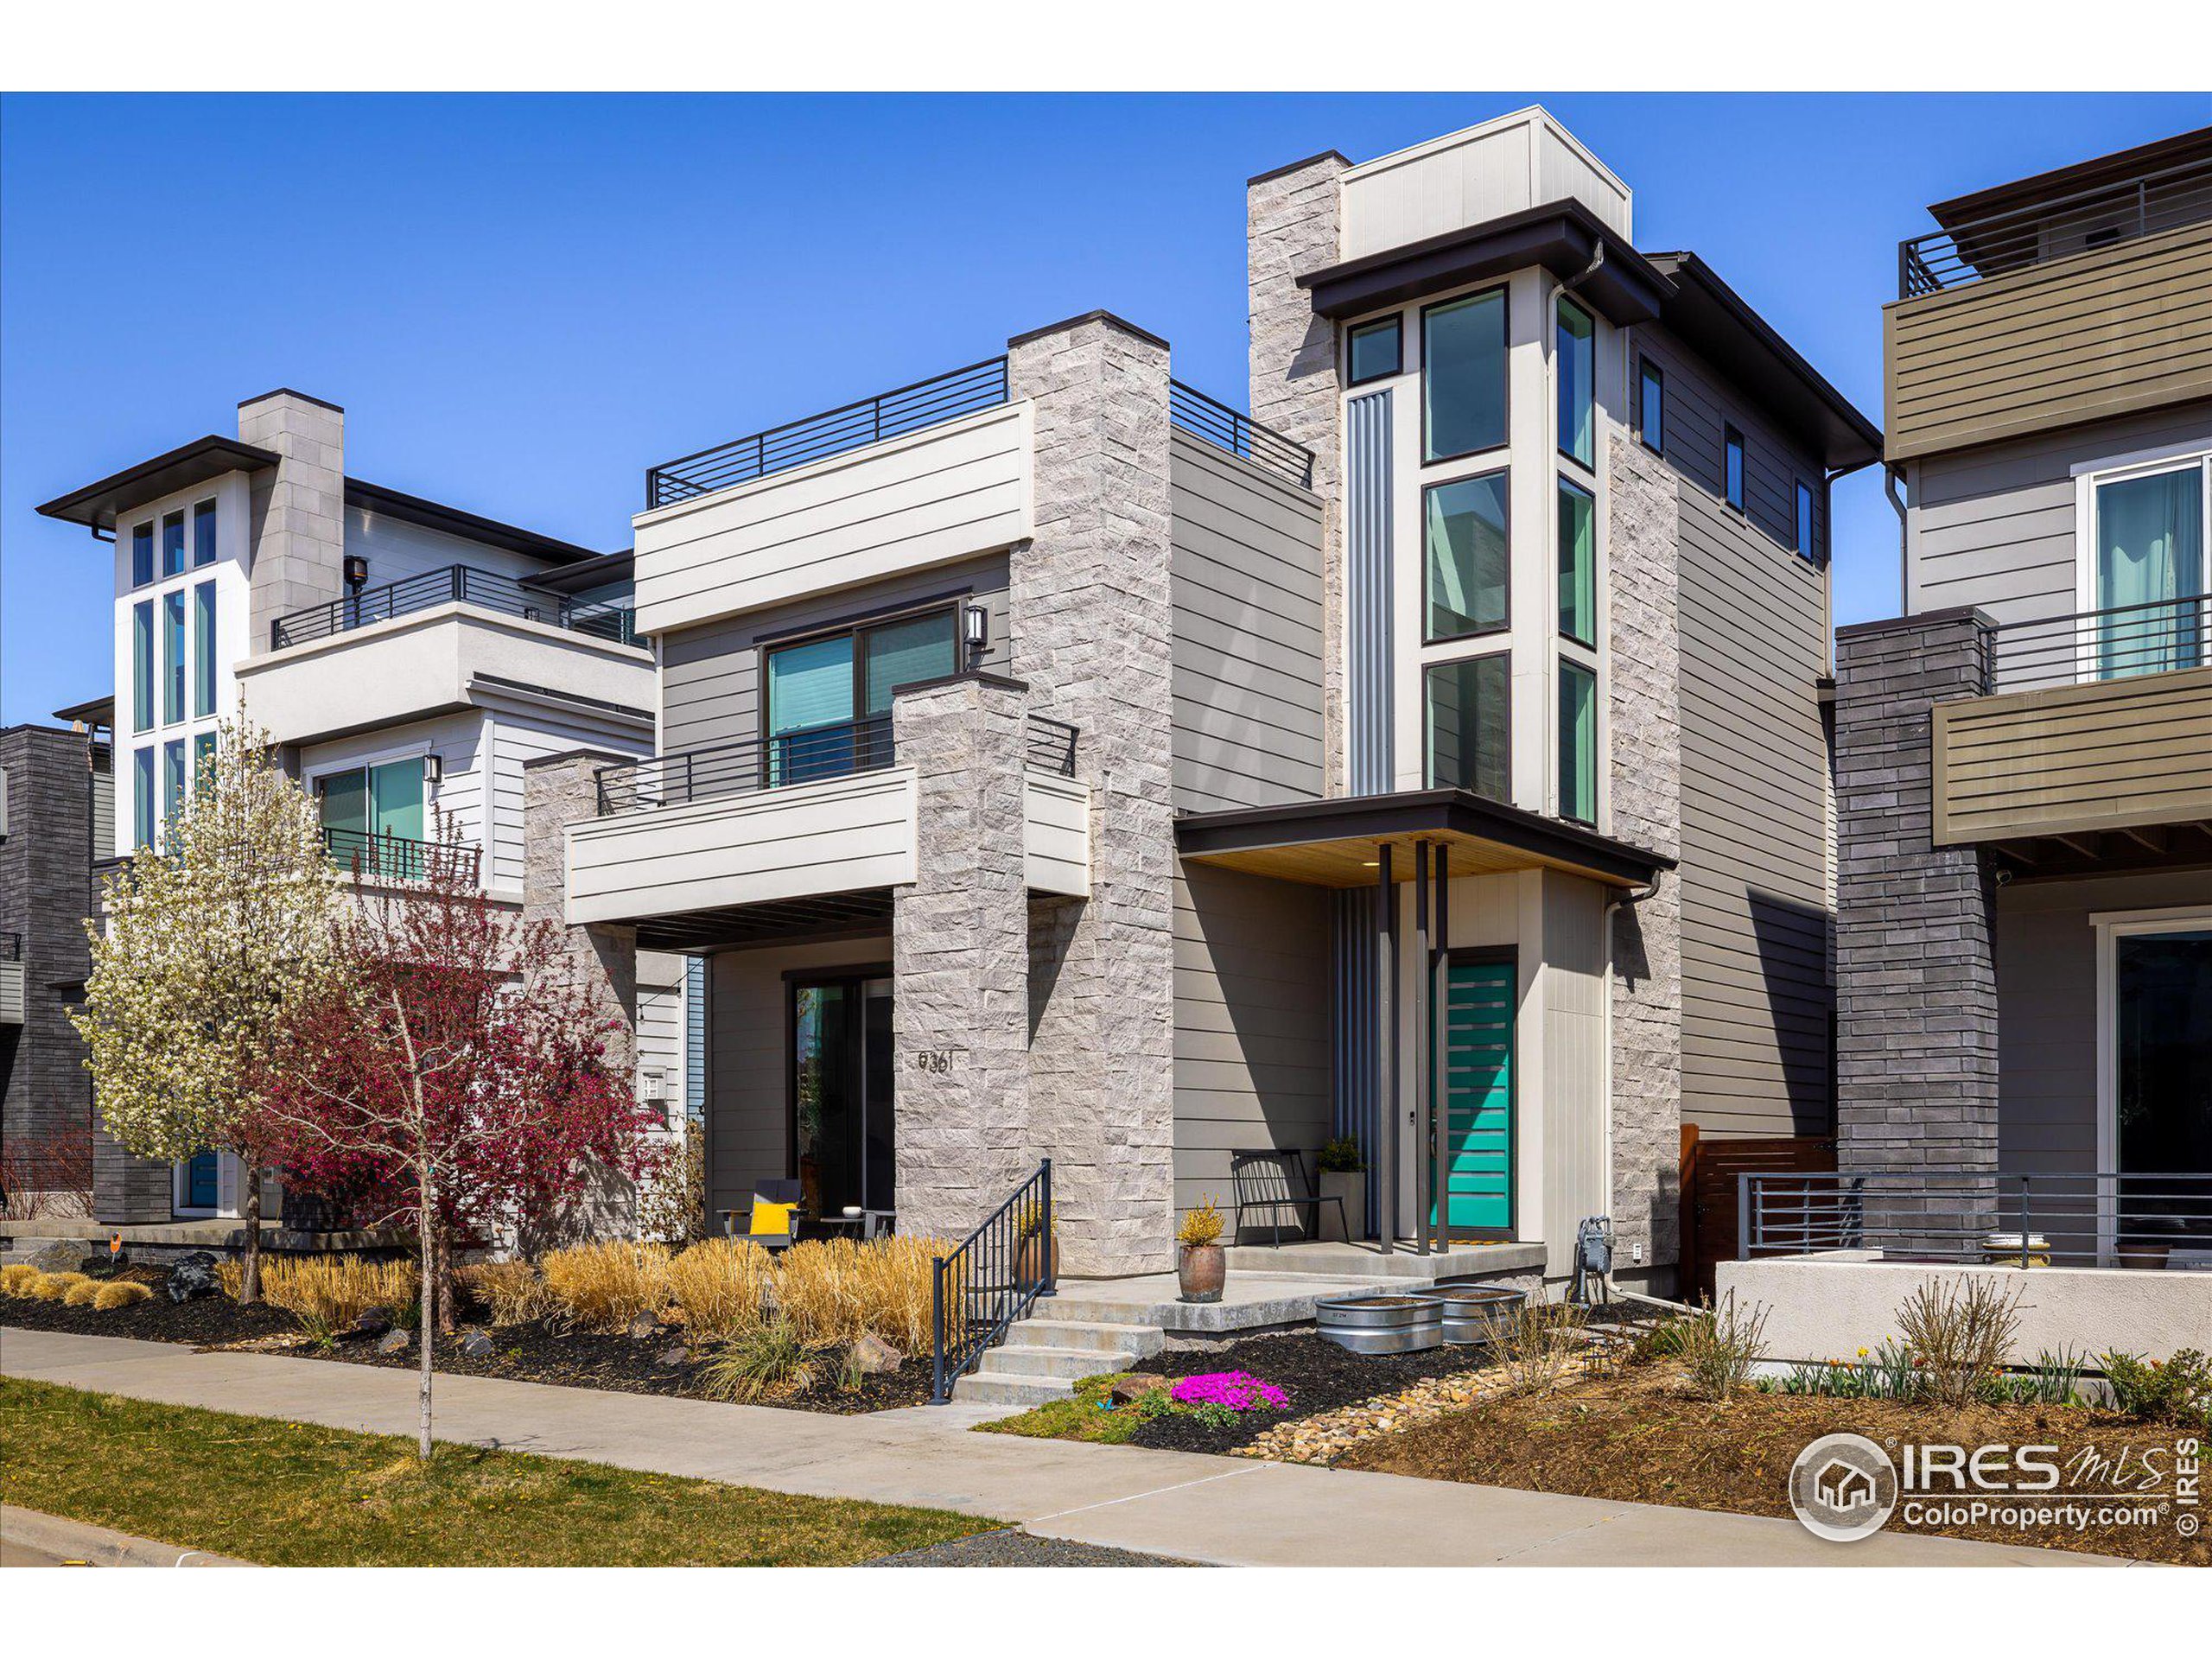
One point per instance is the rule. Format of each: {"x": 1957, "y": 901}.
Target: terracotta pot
{"x": 1029, "y": 1258}
{"x": 2142, "y": 1255}
{"x": 1200, "y": 1270}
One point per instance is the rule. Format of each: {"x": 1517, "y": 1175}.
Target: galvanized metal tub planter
{"x": 1466, "y": 1310}
{"x": 1380, "y": 1324}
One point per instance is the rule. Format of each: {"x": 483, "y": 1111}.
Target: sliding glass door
{"x": 844, "y": 1147}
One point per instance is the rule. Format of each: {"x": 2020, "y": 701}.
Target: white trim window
{"x": 2143, "y": 538}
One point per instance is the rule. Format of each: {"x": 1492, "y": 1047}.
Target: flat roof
{"x": 94, "y": 711}
{"x": 95, "y": 504}
{"x": 2122, "y": 165}
{"x": 432, "y": 515}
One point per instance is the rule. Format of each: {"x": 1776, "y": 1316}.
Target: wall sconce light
{"x": 976, "y": 629}
{"x": 357, "y": 571}
{"x": 433, "y": 769}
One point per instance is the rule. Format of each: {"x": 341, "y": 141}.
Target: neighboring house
{"x": 409, "y": 659}
{"x": 2025, "y": 756}
{"x": 1037, "y": 742}
{"x": 56, "y": 797}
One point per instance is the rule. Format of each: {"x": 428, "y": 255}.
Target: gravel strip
{"x": 1011, "y": 1548}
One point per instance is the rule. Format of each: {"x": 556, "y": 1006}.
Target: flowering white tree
{"x": 205, "y": 952}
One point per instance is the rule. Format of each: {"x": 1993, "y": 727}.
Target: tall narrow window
{"x": 1463, "y": 524}
{"x": 203, "y": 650}
{"x": 1470, "y": 725}
{"x": 172, "y": 543}
{"x": 1578, "y": 564}
{"x": 203, "y": 534}
{"x": 1805, "y": 519}
{"x": 172, "y": 782}
{"x": 1372, "y": 351}
{"x": 1651, "y": 406}
{"x": 173, "y": 656}
{"x": 141, "y": 555}
{"x": 1731, "y": 467}
{"x": 1578, "y": 743}
{"x": 1575, "y": 361}
{"x": 203, "y": 756}
{"x": 142, "y": 666}
{"x": 142, "y": 799}
{"x": 1463, "y": 376}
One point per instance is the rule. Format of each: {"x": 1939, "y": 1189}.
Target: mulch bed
{"x": 1641, "y": 1437}
{"x": 1318, "y": 1376}
{"x": 522, "y": 1353}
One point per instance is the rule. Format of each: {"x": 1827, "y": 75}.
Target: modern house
{"x": 2025, "y": 757}
{"x": 1053, "y": 761}
{"x": 408, "y": 659}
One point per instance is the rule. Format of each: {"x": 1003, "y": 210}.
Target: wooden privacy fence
{"x": 1709, "y": 1169}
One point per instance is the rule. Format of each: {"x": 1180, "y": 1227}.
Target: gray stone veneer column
{"x": 298, "y": 505}
{"x": 556, "y": 790}
{"x": 1091, "y": 633}
{"x": 1644, "y": 704}
{"x": 1916, "y": 969}
{"x": 1292, "y": 218}
{"x": 960, "y": 957}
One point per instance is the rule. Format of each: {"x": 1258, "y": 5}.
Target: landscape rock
{"x": 672, "y": 1357}
{"x": 62, "y": 1255}
{"x": 369, "y": 1322}
{"x": 192, "y": 1275}
{"x": 644, "y": 1328}
{"x": 1133, "y": 1386}
{"x": 395, "y": 1342}
{"x": 476, "y": 1343}
{"x": 872, "y": 1355}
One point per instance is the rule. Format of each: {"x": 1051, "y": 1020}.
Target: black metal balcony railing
{"x": 889, "y": 415}
{"x": 1052, "y": 746}
{"x": 1223, "y": 428}
{"x": 2108, "y": 644}
{"x": 1950, "y": 1215}
{"x": 2082, "y": 223}
{"x": 458, "y": 583}
{"x": 370, "y": 856}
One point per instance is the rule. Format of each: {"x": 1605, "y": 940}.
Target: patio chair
{"x": 1277, "y": 1181}
{"x": 774, "y": 1191}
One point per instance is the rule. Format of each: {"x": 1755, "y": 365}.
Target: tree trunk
{"x": 427, "y": 1239}
{"x": 445, "y": 1281}
{"x": 249, "y": 1270}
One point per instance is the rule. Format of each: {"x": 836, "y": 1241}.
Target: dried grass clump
{"x": 15, "y": 1278}
{"x": 512, "y": 1290}
{"x": 1721, "y": 1347}
{"x": 894, "y": 1289}
{"x": 721, "y": 1285}
{"x": 1962, "y": 1332}
{"x": 772, "y": 1360}
{"x": 837, "y": 1290}
{"x": 605, "y": 1286}
{"x": 53, "y": 1287}
{"x": 81, "y": 1294}
{"x": 1535, "y": 1343}
{"x": 328, "y": 1293}
{"x": 121, "y": 1293}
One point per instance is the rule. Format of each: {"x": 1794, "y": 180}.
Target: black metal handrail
{"x": 836, "y": 750}
{"x": 816, "y": 437}
{"x": 1223, "y": 428}
{"x": 1950, "y": 1215}
{"x": 454, "y": 584}
{"x": 2084, "y": 222}
{"x": 994, "y": 1276}
{"x": 380, "y": 855}
{"x": 1052, "y": 746}
{"x": 2115, "y": 643}
{"x": 11, "y": 947}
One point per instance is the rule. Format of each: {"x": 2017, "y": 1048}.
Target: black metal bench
{"x": 1277, "y": 1181}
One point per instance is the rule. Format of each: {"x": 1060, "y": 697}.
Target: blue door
{"x": 1474, "y": 1064}
{"x": 199, "y": 1182}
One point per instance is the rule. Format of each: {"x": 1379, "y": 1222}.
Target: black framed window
{"x": 203, "y": 534}
{"x": 1652, "y": 406}
{"x": 1469, "y": 716}
{"x": 1464, "y": 536}
{"x": 1731, "y": 467}
{"x": 1805, "y": 519}
{"x": 829, "y": 698}
{"x": 172, "y": 543}
{"x": 1578, "y": 564}
{"x": 1373, "y": 351}
{"x": 1575, "y": 361}
{"x": 1463, "y": 376}
{"x": 1578, "y": 742}
{"x": 141, "y": 555}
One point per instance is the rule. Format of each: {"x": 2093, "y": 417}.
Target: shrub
{"x": 1201, "y": 1226}
{"x": 120, "y": 1292}
{"x": 53, "y": 1287}
{"x": 1721, "y": 1346}
{"x": 81, "y": 1293}
{"x": 511, "y": 1290}
{"x": 720, "y": 1285}
{"x": 326, "y": 1294}
{"x": 1534, "y": 1343}
{"x": 15, "y": 1278}
{"x": 2178, "y": 1391}
{"x": 1960, "y": 1330}
{"x": 770, "y": 1360}
{"x": 672, "y": 1191}
{"x": 1341, "y": 1156}
{"x": 602, "y": 1286}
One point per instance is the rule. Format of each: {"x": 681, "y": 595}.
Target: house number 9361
{"x": 938, "y": 1061}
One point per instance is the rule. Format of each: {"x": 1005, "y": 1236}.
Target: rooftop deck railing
{"x": 817, "y": 437}
{"x": 454, "y": 584}
{"x": 2058, "y": 229}
{"x": 1239, "y": 435}
{"x": 371, "y": 855}
{"x": 2113, "y": 644}
{"x": 2021, "y": 1218}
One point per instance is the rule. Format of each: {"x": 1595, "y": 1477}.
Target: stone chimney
{"x": 299, "y": 506}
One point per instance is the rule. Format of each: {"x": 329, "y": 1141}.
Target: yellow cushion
{"x": 771, "y": 1220}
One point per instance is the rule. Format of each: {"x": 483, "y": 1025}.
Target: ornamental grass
{"x": 837, "y": 1290}
{"x": 120, "y": 1292}
{"x": 327, "y": 1292}
{"x": 721, "y": 1285}
{"x": 512, "y": 1290}
{"x": 604, "y": 1286}
{"x": 53, "y": 1287}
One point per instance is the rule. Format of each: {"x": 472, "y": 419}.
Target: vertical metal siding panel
{"x": 1368, "y": 600}
{"x": 695, "y": 1039}
{"x": 1352, "y": 916}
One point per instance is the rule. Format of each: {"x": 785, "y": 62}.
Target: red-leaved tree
{"x": 453, "y": 1077}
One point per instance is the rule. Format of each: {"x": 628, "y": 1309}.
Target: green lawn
{"x": 290, "y": 1495}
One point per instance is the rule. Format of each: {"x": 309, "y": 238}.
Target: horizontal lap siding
{"x": 1245, "y": 574}
{"x": 518, "y": 739}
{"x": 1252, "y": 1024}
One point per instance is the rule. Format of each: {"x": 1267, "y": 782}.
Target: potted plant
{"x": 1343, "y": 1175}
{"x": 1034, "y": 1232}
{"x": 1201, "y": 1264}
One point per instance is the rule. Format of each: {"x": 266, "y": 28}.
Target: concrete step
{"x": 1010, "y": 1389}
{"x": 1140, "y": 1341}
{"x": 1029, "y": 1359}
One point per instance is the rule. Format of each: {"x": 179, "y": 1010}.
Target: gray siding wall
{"x": 1253, "y": 993}
{"x": 45, "y": 893}
{"x": 1368, "y": 599}
{"x": 1244, "y": 575}
{"x": 2047, "y": 1010}
{"x": 1994, "y": 526}
{"x": 710, "y": 676}
{"x": 1758, "y": 901}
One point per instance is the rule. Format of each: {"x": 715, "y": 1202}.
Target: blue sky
{"x": 523, "y": 302}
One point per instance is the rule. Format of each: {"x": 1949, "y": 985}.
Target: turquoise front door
{"x": 202, "y": 1185}
{"x": 1474, "y": 1064}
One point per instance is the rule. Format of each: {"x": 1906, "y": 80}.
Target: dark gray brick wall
{"x": 45, "y": 876}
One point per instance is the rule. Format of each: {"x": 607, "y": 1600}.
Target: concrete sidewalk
{"x": 1226, "y": 1510}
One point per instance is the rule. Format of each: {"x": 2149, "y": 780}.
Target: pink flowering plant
{"x": 1233, "y": 1390}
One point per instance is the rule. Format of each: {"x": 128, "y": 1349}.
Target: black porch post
{"x": 1424, "y": 1159}
{"x": 1439, "y": 1103}
{"x": 1387, "y": 1029}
